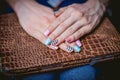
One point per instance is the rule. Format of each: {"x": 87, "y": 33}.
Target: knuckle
{"x": 77, "y": 13}
{"x": 85, "y": 19}
{"x": 74, "y": 11}
{"x": 80, "y": 33}
{"x": 71, "y": 8}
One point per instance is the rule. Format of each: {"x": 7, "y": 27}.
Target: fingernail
{"x": 54, "y": 42}
{"x": 77, "y": 48}
{"x": 69, "y": 49}
{"x": 53, "y": 47}
{"x": 79, "y": 43}
{"x": 48, "y": 41}
{"x": 68, "y": 40}
{"x": 47, "y": 32}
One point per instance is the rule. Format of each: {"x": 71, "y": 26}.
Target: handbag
{"x": 22, "y": 54}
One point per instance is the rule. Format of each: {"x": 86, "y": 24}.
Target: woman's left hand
{"x": 75, "y": 21}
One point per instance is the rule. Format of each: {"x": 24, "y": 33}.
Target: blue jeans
{"x": 87, "y": 72}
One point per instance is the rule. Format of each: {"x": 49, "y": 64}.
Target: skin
{"x": 35, "y": 19}
{"x": 76, "y": 20}
{"x": 67, "y": 25}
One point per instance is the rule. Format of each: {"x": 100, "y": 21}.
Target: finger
{"x": 62, "y": 27}
{"x": 84, "y": 30}
{"x": 70, "y": 47}
{"x": 60, "y": 11}
{"x": 69, "y": 31}
{"x": 42, "y": 38}
{"x": 47, "y": 41}
{"x": 58, "y": 21}
{"x": 66, "y": 47}
{"x": 75, "y": 46}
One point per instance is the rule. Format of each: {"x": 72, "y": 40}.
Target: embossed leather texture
{"x": 22, "y": 54}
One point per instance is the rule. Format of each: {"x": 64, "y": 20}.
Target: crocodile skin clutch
{"x": 22, "y": 54}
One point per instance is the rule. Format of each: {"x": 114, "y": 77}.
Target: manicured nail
{"x": 53, "y": 47}
{"x": 69, "y": 49}
{"x": 54, "y": 42}
{"x": 48, "y": 41}
{"x": 47, "y": 32}
{"x": 68, "y": 40}
{"x": 79, "y": 43}
{"x": 77, "y": 48}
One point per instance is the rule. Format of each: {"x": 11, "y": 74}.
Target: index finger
{"x": 58, "y": 21}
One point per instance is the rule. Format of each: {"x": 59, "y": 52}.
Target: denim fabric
{"x": 43, "y": 76}
{"x": 64, "y": 3}
{"x": 79, "y": 73}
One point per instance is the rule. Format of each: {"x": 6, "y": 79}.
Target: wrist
{"x": 93, "y": 6}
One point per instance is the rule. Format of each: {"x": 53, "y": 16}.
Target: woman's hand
{"x": 34, "y": 18}
{"x": 75, "y": 21}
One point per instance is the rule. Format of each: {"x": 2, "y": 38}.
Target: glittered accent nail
{"x": 69, "y": 49}
{"x": 47, "y": 32}
{"x": 79, "y": 43}
{"x": 77, "y": 48}
{"x": 54, "y": 42}
{"x": 48, "y": 41}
